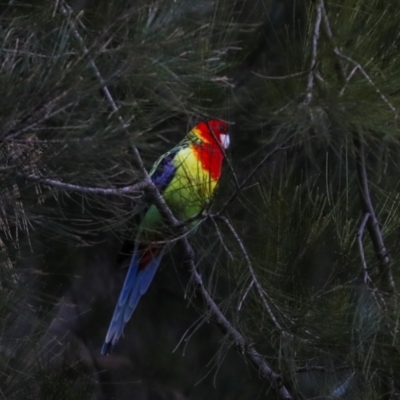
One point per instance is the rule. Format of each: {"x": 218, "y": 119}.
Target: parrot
{"x": 186, "y": 177}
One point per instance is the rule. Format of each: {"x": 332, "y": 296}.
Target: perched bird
{"x": 186, "y": 176}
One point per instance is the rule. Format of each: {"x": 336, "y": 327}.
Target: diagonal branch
{"x": 347, "y": 80}
{"x": 256, "y": 359}
{"x": 246, "y": 292}
{"x": 257, "y": 284}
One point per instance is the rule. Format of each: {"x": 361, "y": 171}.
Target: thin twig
{"x": 137, "y": 187}
{"x": 239, "y": 307}
{"x": 368, "y": 78}
{"x": 198, "y": 323}
{"x": 47, "y": 141}
{"x": 368, "y": 281}
{"x": 360, "y": 234}
{"x": 329, "y": 34}
{"x": 372, "y": 224}
{"x": 353, "y": 71}
{"x": 280, "y": 77}
{"x": 313, "y": 368}
{"x": 28, "y": 53}
{"x": 250, "y": 176}
{"x": 66, "y": 10}
{"x": 317, "y": 31}
{"x": 221, "y": 239}
{"x": 253, "y": 275}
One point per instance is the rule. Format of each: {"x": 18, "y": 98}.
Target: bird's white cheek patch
{"x": 225, "y": 141}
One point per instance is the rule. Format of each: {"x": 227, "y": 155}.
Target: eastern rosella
{"x": 186, "y": 176}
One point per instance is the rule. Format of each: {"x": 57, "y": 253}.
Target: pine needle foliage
{"x": 302, "y": 260}
{"x": 315, "y": 302}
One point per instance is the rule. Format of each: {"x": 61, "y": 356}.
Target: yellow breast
{"x": 192, "y": 186}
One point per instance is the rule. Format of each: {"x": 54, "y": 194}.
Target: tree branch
{"x": 310, "y": 83}
{"x": 280, "y": 77}
{"x": 255, "y": 358}
{"x": 360, "y": 235}
{"x": 367, "y": 278}
{"x": 239, "y": 307}
{"x": 137, "y": 187}
{"x": 253, "y": 275}
{"x": 372, "y": 224}
{"x": 358, "y": 67}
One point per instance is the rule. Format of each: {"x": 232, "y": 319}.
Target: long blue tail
{"x": 136, "y": 283}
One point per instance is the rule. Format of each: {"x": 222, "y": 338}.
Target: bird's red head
{"x": 209, "y": 131}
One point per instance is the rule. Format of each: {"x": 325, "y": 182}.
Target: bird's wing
{"x": 163, "y": 170}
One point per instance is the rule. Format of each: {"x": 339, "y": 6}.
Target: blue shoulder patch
{"x": 164, "y": 172}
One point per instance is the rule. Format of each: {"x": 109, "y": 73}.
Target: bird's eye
{"x": 221, "y": 127}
